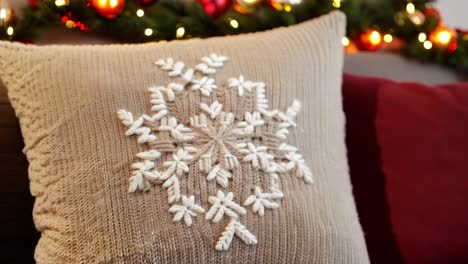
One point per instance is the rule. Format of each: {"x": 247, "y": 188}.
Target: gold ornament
{"x": 6, "y": 13}
{"x": 245, "y": 6}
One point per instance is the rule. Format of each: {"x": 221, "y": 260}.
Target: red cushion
{"x": 408, "y": 154}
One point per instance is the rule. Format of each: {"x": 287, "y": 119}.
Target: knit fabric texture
{"x": 199, "y": 170}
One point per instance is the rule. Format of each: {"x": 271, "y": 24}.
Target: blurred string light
{"x": 233, "y": 23}
{"x": 388, "y": 38}
{"x": 61, "y": 3}
{"x": 422, "y": 37}
{"x": 375, "y": 38}
{"x": 427, "y": 45}
{"x": 10, "y": 31}
{"x": 345, "y": 41}
{"x": 410, "y": 8}
{"x": 148, "y": 32}
{"x": 6, "y": 13}
{"x": 443, "y": 37}
{"x": 140, "y": 13}
{"x": 180, "y": 32}
{"x": 336, "y": 3}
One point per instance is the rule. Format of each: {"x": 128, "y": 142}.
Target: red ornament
{"x": 109, "y": 9}
{"x": 214, "y": 8}
{"x": 461, "y": 31}
{"x": 33, "y": 3}
{"x": 146, "y": 2}
{"x": 453, "y": 46}
{"x": 430, "y": 11}
{"x": 370, "y": 40}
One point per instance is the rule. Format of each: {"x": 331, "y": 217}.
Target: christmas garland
{"x": 409, "y": 26}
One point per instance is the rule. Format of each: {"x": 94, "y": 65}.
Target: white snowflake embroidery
{"x": 187, "y": 210}
{"x": 241, "y": 85}
{"x": 177, "y": 165}
{"x": 235, "y": 228}
{"x": 230, "y": 131}
{"x": 205, "y": 85}
{"x": 257, "y": 155}
{"x": 223, "y": 204}
{"x": 261, "y": 200}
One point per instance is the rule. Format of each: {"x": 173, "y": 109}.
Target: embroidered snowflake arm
{"x": 205, "y": 85}
{"x": 213, "y": 110}
{"x": 177, "y": 131}
{"x": 221, "y": 176}
{"x": 223, "y": 204}
{"x": 247, "y": 127}
{"x": 224, "y": 241}
{"x": 211, "y": 62}
{"x": 178, "y": 165}
{"x": 158, "y": 103}
{"x": 172, "y": 185}
{"x": 226, "y": 119}
{"x": 143, "y": 175}
{"x": 296, "y": 163}
{"x": 262, "y": 101}
{"x": 244, "y": 234}
{"x": 149, "y": 155}
{"x": 136, "y": 127}
{"x": 257, "y": 156}
{"x": 234, "y": 228}
{"x": 287, "y": 119}
{"x": 260, "y": 200}
{"x": 175, "y": 69}
{"x": 241, "y": 85}
{"x": 186, "y": 211}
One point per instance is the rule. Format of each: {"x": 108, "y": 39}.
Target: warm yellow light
{"x": 388, "y": 38}
{"x": 180, "y": 32}
{"x": 422, "y": 37}
{"x": 114, "y": 3}
{"x": 443, "y": 37}
{"x": 277, "y": 5}
{"x": 345, "y": 41}
{"x": 337, "y": 3}
{"x": 3, "y": 13}
{"x": 60, "y": 3}
{"x": 234, "y": 23}
{"x": 375, "y": 38}
{"x": 427, "y": 45}
{"x": 10, "y": 31}
{"x": 70, "y": 24}
{"x": 287, "y": 8}
{"x": 410, "y": 8}
{"x": 249, "y": 2}
{"x": 148, "y": 32}
{"x": 140, "y": 13}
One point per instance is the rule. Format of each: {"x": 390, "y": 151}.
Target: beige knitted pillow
{"x": 202, "y": 165}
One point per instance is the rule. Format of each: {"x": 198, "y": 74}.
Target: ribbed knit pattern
{"x": 66, "y": 98}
